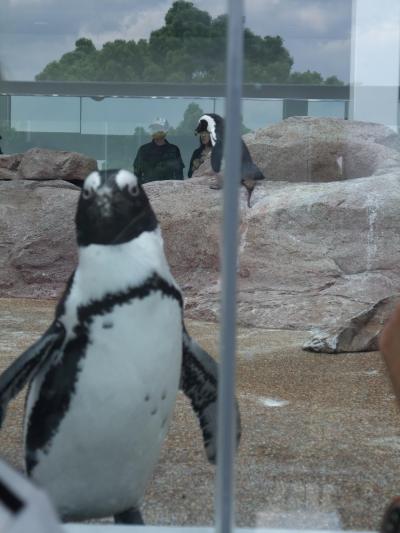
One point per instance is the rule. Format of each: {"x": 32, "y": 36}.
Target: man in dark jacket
{"x": 158, "y": 159}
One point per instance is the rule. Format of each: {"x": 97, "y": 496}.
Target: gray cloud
{"x": 35, "y": 32}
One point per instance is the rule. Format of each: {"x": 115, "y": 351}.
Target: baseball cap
{"x": 159, "y": 124}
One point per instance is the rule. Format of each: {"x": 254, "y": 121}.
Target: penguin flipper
{"x": 199, "y": 382}
{"x": 216, "y": 156}
{"x": 249, "y": 169}
{"x": 15, "y": 377}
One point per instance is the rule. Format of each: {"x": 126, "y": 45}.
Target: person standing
{"x": 158, "y": 159}
{"x": 201, "y": 153}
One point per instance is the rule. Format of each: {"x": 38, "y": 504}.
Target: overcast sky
{"x": 35, "y": 32}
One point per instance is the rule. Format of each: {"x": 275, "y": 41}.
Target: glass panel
{"x": 260, "y": 113}
{"x": 320, "y": 414}
{"x": 124, "y": 115}
{"x": 125, "y": 121}
{"x": 168, "y": 63}
{"x": 45, "y": 114}
{"x": 327, "y": 109}
{"x": 318, "y": 239}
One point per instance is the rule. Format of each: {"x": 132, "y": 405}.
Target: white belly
{"x": 106, "y": 446}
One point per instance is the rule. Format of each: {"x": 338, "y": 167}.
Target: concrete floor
{"x": 321, "y": 433}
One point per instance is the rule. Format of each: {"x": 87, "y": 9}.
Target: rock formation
{"x": 360, "y": 333}
{"x": 42, "y": 164}
{"x": 323, "y": 149}
{"x": 313, "y": 254}
{"x": 37, "y": 237}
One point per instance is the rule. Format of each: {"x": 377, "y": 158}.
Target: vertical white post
{"x": 232, "y": 175}
{"x": 375, "y": 62}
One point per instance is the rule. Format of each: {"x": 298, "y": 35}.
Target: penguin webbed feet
{"x": 249, "y": 185}
{"x": 249, "y": 193}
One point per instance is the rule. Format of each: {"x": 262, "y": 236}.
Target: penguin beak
{"x": 104, "y": 202}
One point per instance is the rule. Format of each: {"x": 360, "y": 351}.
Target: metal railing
{"x": 100, "y": 89}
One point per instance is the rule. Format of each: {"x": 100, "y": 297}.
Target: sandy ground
{"x": 321, "y": 433}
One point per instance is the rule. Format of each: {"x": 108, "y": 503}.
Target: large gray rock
{"x": 359, "y": 334}
{"x": 311, "y": 255}
{"x": 9, "y": 166}
{"x": 43, "y": 164}
{"x": 323, "y": 149}
{"x": 11, "y": 162}
{"x": 37, "y": 237}
{"x": 7, "y": 175}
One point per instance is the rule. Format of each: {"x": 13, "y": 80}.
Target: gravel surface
{"x": 321, "y": 433}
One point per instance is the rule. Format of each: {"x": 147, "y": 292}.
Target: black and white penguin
{"x": 103, "y": 378}
{"x": 250, "y": 173}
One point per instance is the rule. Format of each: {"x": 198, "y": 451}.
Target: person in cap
{"x": 158, "y": 159}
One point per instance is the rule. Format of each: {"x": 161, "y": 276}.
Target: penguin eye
{"x": 87, "y": 193}
{"x": 133, "y": 190}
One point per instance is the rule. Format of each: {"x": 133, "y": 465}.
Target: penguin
{"x": 250, "y": 173}
{"x": 103, "y": 378}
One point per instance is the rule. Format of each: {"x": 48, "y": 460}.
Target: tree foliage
{"x": 313, "y": 78}
{"x": 188, "y": 48}
{"x": 190, "y": 119}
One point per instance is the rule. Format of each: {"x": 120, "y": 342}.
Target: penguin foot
{"x": 248, "y": 198}
{"x": 249, "y": 186}
{"x": 130, "y": 516}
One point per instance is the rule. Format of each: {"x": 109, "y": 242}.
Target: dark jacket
{"x": 154, "y": 162}
{"x": 197, "y": 158}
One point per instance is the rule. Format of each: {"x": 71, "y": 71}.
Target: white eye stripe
{"x": 93, "y": 181}
{"x": 124, "y": 178}
{"x": 211, "y": 127}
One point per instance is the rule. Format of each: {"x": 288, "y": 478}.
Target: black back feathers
{"x": 214, "y": 125}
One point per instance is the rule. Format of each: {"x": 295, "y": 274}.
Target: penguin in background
{"x": 103, "y": 378}
{"x": 250, "y": 173}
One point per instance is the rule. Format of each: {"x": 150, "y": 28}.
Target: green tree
{"x": 140, "y": 132}
{"x": 333, "y": 80}
{"x": 190, "y": 120}
{"x": 79, "y": 64}
{"x": 308, "y": 77}
{"x": 189, "y": 47}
